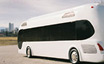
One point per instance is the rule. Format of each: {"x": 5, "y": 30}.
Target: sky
{"x": 17, "y": 11}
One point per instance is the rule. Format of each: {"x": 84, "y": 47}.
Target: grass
{"x": 8, "y": 41}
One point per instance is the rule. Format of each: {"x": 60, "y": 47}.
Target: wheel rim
{"x": 28, "y": 52}
{"x": 74, "y": 57}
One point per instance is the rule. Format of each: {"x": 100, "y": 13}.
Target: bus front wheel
{"x": 28, "y": 52}
{"x": 74, "y": 56}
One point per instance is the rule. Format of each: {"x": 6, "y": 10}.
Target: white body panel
{"x": 60, "y": 49}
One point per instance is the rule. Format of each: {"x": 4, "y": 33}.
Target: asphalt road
{"x": 10, "y": 55}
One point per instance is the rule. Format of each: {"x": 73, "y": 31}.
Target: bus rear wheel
{"x": 74, "y": 56}
{"x": 28, "y": 52}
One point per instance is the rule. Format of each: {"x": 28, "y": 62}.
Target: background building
{"x": 9, "y": 31}
{"x": 11, "y": 27}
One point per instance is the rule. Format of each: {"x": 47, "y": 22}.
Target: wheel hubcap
{"x": 74, "y": 57}
{"x": 28, "y": 53}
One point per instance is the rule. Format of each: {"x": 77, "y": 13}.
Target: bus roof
{"x": 67, "y": 15}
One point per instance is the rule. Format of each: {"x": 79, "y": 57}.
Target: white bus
{"x": 76, "y": 34}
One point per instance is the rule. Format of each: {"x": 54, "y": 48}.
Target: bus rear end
{"x": 100, "y": 32}
{"x": 93, "y": 48}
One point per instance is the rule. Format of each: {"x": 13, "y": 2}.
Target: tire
{"x": 28, "y": 52}
{"x": 74, "y": 56}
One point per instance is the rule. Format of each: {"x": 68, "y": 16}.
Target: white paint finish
{"x": 55, "y": 18}
{"x": 60, "y": 49}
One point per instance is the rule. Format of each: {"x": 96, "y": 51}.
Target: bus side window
{"x": 84, "y": 29}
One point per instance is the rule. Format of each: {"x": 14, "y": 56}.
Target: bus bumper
{"x": 96, "y": 58}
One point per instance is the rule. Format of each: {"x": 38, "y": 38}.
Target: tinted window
{"x": 77, "y": 30}
{"x": 49, "y": 33}
{"x": 84, "y": 29}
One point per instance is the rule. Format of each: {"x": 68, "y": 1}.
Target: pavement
{"x": 10, "y": 55}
